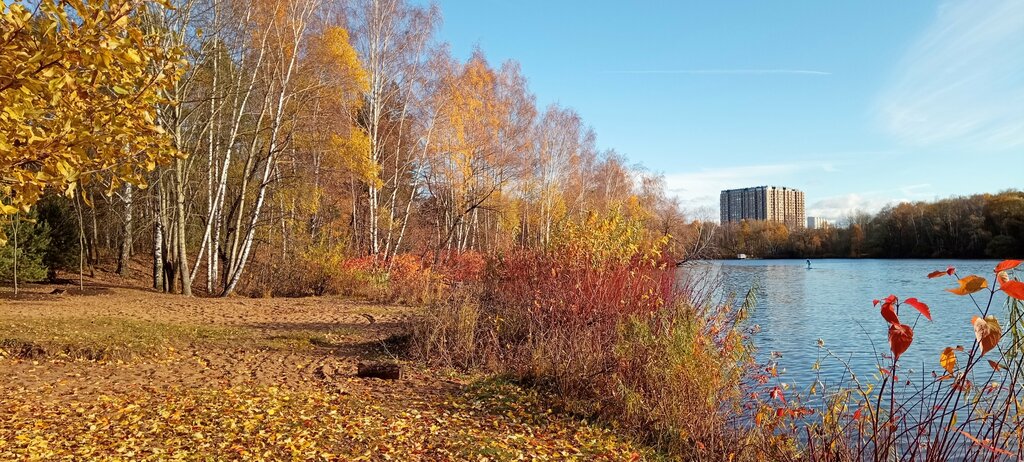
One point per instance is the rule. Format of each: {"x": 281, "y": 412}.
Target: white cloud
{"x": 837, "y": 208}
{"x": 701, "y": 188}
{"x": 962, "y": 81}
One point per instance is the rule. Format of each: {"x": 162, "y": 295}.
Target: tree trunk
{"x": 126, "y": 235}
{"x": 158, "y": 241}
{"x": 179, "y": 209}
{"x": 386, "y": 371}
{"x": 94, "y": 240}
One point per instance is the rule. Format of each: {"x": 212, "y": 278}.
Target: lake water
{"x": 832, "y": 302}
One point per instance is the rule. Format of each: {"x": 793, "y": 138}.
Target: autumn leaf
{"x": 919, "y": 306}
{"x": 1007, "y": 265}
{"x": 1012, "y": 288}
{"x": 987, "y": 331}
{"x": 984, "y": 444}
{"x": 939, "y": 273}
{"x": 948, "y": 359}
{"x": 889, "y": 314}
{"x": 776, "y": 393}
{"x": 995, "y": 365}
{"x": 969, "y": 285}
{"x": 900, "y": 337}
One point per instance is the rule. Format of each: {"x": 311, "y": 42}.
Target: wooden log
{"x": 386, "y": 371}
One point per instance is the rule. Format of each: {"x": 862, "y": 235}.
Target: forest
{"x": 976, "y": 226}
{"x": 247, "y": 147}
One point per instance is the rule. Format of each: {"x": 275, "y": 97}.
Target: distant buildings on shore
{"x": 818, "y": 223}
{"x": 767, "y": 203}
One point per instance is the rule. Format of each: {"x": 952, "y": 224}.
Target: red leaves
{"x": 776, "y": 393}
{"x": 793, "y": 413}
{"x": 888, "y": 309}
{"x": 900, "y": 337}
{"x": 1012, "y": 288}
{"x": 1007, "y": 265}
{"x": 889, "y": 313}
{"x": 919, "y": 306}
{"x": 891, "y": 303}
{"x": 937, "y": 274}
{"x": 986, "y": 444}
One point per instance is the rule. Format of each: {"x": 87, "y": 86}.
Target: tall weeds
{"x": 613, "y": 336}
{"x": 966, "y": 407}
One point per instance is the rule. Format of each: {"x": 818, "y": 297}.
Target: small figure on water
{"x": 808, "y": 264}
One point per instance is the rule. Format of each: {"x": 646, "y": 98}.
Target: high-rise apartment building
{"x": 817, "y": 223}
{"x": 768, "y": 203}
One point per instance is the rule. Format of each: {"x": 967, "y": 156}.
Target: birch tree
{"x": 393, "y": 38}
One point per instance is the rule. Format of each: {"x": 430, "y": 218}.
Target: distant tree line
{"x": 977, "y": 226}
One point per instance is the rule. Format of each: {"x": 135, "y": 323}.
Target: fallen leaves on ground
{"x": 129, "y": 376}
{"x": 490, "y": 421}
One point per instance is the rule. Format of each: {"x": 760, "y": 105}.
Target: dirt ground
{"x": 234, "y": 341}
{"x": 119, "y": 373}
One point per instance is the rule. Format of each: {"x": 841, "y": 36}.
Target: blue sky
{"x": 859, "y": 103}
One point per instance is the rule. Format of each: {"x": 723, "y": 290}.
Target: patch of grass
{"x": 102, "y": 338}
{"x": 307, "y": 339}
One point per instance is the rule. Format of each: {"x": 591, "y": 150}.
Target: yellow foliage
{"x": 355, "y": 153}
{"x": 79, "y": 85}
{"x": 611, "y": 237}
{"x": 948, "y": 359}
{"x": 339, "y": 48}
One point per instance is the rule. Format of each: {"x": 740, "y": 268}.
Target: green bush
{"x": 28, "y": 240}
{"x": 62, "y": 252}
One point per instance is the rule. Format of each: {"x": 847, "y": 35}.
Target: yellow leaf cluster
{"x": 79, "y": 86}
{"x": 356, "y": 156}
{"x": 612, "y": 237}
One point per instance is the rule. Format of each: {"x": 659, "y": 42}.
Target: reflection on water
{"x": 832, "y": 301}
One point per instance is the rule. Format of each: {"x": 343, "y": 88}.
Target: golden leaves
{"x": 948, "y": 359}
{"x": 345, "y": 57}
{"x": 78, "y": 101}
{"x": 269, "y": 423}
{"x": 969, "y": 285}
{"x": 355, "y": 154}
